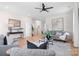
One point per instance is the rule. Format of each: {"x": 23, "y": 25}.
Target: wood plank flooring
{"x": 74, "y": 50}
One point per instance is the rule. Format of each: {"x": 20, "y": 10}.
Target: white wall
{"x": 4, "y": 16}
{"x": 68, "y": 21}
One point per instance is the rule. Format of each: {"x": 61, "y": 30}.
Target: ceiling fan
{"x": 44, "y": 8}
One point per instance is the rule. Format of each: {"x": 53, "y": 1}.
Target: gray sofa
{"x": 4, "y": 48}
{"x": 31, "y": 52}
{"x": 56, "y": 34}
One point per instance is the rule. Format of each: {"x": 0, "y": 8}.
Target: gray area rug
{"x": 61, "y": 48}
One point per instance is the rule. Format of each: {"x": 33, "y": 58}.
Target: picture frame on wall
{"x": 58, "y": 23}
{"x": 14, "y": 23}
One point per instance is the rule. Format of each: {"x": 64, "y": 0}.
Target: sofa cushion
{"x": 31, "y": 52}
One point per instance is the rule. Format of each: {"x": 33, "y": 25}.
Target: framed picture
{"x": 14, "y": 23}
{"x": 58, "y": 23}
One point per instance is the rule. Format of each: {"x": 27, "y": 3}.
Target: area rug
{"x": 61, "y": 48}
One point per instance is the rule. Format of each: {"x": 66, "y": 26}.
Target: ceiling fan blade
{"x": 49, "y": 8}
{"x": 46, "y": 10}
{"x": 37, "y": 8}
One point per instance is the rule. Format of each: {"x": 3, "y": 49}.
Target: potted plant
{"x": 48, "y": 34}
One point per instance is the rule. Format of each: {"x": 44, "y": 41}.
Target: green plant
{"x": 48, "y": 34}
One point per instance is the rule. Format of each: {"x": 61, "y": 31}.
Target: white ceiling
{"x": 28, "y": 8}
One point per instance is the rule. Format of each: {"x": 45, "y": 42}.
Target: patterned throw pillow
{"x": 30, "y": 45}
{"x": 43, "y": 46}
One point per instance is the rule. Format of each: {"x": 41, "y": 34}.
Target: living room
{"x": 55, "y": 22}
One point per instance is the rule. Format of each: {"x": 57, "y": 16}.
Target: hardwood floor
{"x": 74, "y": 50}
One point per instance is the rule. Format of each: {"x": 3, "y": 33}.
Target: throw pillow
{"x": 5, "y": 40}
{"x": 43, "y": 46}
{"x": 31, "y": 45}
